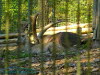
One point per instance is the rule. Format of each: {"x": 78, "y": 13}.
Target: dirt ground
{"x": 88, "y": 60}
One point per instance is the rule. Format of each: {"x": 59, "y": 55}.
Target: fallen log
{"x": 15, "y": 35}
{"x": 73, "y": 26}
{"x": 84, "y": 31}
{"x": 3, "y": 41}
{"x": 12, "y": 46}
{"x": 11, "y": 35}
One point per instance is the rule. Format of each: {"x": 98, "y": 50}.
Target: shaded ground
{"x": 57, "y": 64}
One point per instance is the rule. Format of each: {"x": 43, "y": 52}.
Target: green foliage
{"x": 60, "y": 11}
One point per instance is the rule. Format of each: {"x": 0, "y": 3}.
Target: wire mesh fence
{"x": 47, "y": 37}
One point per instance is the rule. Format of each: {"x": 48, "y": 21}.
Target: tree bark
{"x": 96, "y": 24}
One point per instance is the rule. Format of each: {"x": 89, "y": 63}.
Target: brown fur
{"x": 63, "y": 38}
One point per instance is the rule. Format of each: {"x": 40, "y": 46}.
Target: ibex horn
{"x": 33, "y": 23}
{"x": 47, "y": 27}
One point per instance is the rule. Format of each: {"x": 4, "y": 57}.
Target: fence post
{"x": 7, "y": 19}
{"x": 0, "y": 14}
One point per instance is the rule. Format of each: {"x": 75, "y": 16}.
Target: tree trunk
{"x": 96, "y": 24}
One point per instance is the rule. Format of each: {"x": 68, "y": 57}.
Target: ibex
{"x": 58, "y": 39}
